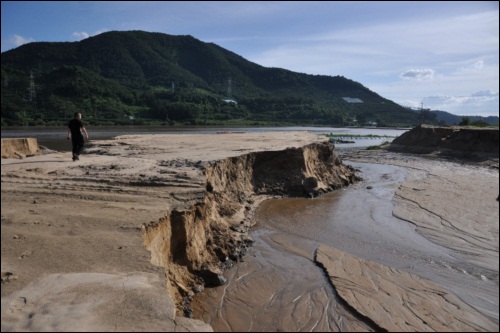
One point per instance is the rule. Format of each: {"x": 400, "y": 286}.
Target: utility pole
{"x": 421, "y": 113}
{"x": 229, "y": 88}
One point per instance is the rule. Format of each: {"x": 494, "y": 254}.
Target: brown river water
{"x": 278, "y": 287}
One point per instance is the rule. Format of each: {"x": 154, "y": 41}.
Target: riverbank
{"x": 124, "y": 238}
{"x": 112, "y": 242}
{"x": 411, "y": 247}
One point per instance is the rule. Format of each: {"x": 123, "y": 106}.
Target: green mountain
{"x": 138, "y": 77}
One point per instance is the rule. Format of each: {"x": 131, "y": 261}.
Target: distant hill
{"x": 451, "y": 119}
{"x": 443, "y": 118}
{"x": 137, "y": 77}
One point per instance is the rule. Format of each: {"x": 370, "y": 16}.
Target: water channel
{"x": 279, "y": 287}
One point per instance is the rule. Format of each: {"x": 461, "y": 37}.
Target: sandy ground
{"x": 412, "y": 247}
{"x": 73, "y": 258}
{"x": 72, "y": 253}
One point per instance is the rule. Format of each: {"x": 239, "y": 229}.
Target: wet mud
{"x": 279, "y": 287}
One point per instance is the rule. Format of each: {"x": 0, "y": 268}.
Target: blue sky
{"x": 442, "y": 54}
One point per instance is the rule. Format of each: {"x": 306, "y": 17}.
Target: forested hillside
{"x": 138, "y": 77}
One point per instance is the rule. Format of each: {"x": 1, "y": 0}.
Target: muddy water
{"x": 278, "y": 287}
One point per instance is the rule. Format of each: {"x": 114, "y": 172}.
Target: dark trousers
{"x": 77, "y": 147}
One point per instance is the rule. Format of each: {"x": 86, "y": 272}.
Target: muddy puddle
{"x": 278, "y": 287}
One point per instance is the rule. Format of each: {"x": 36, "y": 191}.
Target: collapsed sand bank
{"x": 20, "y": 148}
{"x": 187, "y": 198}
{"x": 461, "y": 142}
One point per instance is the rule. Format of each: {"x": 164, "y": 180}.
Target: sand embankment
{"x": 95, "y": 244}
{"x": 19, "y": 147}
{"x": 461, "y": 142}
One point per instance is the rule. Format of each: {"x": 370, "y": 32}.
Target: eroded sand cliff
{"x": 195, "y": 244}
{"x": 462, "y": 142}
{"x": 19, "y": 147}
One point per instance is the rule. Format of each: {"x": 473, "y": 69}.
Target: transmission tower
{"x": 421, "y": 113}
{"x": 229, "y": 88}
{"x": 173, "y": 86}
{"x": 32, "y": 90}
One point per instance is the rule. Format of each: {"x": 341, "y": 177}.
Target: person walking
{"x": 75, "y": 129}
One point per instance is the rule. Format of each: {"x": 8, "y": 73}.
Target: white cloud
{"x": 471, "y": 66}
{"x": 81, "y": 35}
{"x": 485, "y": 93}
{"x": 84, "y": 35}
{"x": 418, "y": 74}
{"x": 367, "y": 54}
{"x": 20, "y": 40}
{"x": 15, "y": 41}
{"x": 478, "y": 65}
{"x": 100, "y": 31}
{"x": 475, "y": 104}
